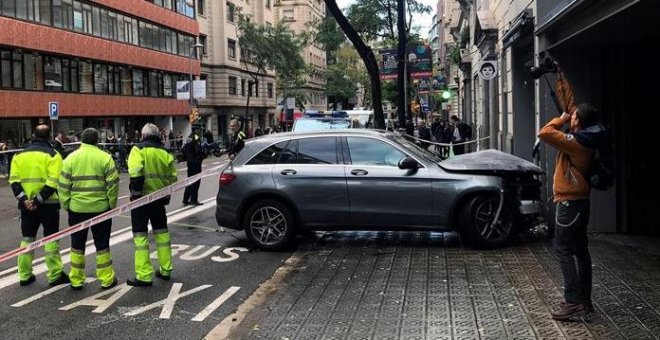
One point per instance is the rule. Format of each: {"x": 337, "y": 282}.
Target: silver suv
{"x": 356, "y": 179}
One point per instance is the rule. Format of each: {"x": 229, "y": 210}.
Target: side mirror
{"x": 408, "y": 163}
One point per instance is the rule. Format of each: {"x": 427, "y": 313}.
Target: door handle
{"x": 287, "y": 172}
{"x": 359, "y": 172}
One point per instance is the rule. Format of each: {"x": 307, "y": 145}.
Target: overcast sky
{"x": 424, "y": 21}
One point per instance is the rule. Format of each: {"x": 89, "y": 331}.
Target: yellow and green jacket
{"x": 34, "y": 173}
{"x": 150, "y": 167}
{"x": 89, "y": 182}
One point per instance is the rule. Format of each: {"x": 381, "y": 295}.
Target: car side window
{"x": 270, "y": 155}
{"x": 322, "y": 150}
{"x": 369, "y": 151}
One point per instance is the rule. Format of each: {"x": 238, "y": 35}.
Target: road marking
{"x": 45, "y": 293}
{"x": 189, "y": 255}
{"x": 215, "y": 304}
{"x": 180, "y": 214}
{"x": 101, "y": 305}
{"x": 167, "y": 303}
{"x": 229, "y": 252}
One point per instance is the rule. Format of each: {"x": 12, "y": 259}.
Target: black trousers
{"x": 47, "y": 215}
{"x": 571, "y": 246}
{"x": 191, "y": 192}
{"x": 153, "y": 212}
{"x": 100, "y": 231}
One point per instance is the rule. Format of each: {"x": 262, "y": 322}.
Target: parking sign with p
{"x": 53, "y": 110}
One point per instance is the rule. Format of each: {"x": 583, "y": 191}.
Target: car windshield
{"x": 416, "y": 150}
{"x": 321, "y": 124}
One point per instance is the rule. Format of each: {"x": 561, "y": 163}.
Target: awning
{"x": 486, "y": 20}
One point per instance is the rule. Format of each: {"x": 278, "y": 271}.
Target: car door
{"x": 309, "y": 174}
{"x": 381, "y": 194}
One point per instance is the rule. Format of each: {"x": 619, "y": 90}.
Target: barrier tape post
{"x": 144, "y": 200}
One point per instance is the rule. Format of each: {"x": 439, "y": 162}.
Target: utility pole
{"x": 402, "y": 73}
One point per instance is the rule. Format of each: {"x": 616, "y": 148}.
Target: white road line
{"x": 47, "y": 292}
{"x": 90, "y": 249}
{"x": 215, "y": 304}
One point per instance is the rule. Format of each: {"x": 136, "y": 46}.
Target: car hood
{"x": 489, "y": 160}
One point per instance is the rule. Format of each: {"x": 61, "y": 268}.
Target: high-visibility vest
{"x": 151, "y": 161}
{"x": 37, "y": 166}
{"x": 89, "y": 182}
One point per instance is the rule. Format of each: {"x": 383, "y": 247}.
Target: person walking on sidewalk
{"x": 150, "y": 168}
{"x": 571, "y": 193}
{"x": 33, "y": 180}
{"x": 238, "y": 139}
{"x": 194, "y": 157}
{"x": 88, "y": 187}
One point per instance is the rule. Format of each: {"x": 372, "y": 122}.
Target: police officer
{"x": 238, "y": 140}
{"x": 150, "y": 168}
{"x": 33, "y": 179}
{"x": 88, "y": 187}
{"x": 194, "y": 157}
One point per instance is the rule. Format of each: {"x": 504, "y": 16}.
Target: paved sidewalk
{"x": 425, "y": 286}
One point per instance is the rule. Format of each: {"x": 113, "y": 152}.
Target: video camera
{"x": 547, "y": 66}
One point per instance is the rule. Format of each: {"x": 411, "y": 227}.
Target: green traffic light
{"x": 446, "y": 95}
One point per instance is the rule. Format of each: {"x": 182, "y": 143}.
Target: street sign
{"x": 487, "y": 70}
{"x": 53, "y": 110}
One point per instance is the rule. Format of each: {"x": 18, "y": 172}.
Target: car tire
{"x": 475, "y": 222}
{"x": 269, "y": 225}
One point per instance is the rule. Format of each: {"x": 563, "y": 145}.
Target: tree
{"x": 329, "y": 35}
{"x": 368, "y": 58}
{"x": 377, "y": 19}
{"x": 346, "y": 74}
{"x": 258, "y": 44}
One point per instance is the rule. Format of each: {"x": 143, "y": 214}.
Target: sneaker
{"x": 63, "y": 279}
{"x": 138, "y": 283}
{"x": 114, "y": 283}
{"x": 29, "y": 280}
{"x": 162, "y": 277}
{"x": 569, "y": 310}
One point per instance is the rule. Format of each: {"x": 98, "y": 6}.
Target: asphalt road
{"x": 214, "y": 272}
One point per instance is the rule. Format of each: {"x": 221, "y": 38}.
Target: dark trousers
{"x": 153, "y": 212}
{"x": 47, "y": 215}
{"x": 190, "y": 194}
{"x": 571, "y": 246}
{"x": 459, "y": 149}
{"x": 100, "y": 231}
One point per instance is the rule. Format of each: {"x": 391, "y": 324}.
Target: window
{"x": 5, "y": 68}
{"x": 29, "y": 63}
{"x": 167, "y": 86}
{"x": 256, "y": 89}
{"x": 270, "y": 155}
{"x": 243, "y": 87}
{"x": 138, "y": 83}
{"x": 85, "y": 77}
{"x": 317, "y": 151}
{"x": 155, "y": 82}
{"x": 367, "y": 151}
{"x": 100, "y": 78}
{"x": 250, "y": 84}
{"x": 231, "y": 48}
{"x": 232, "y": 85}
{"x": 231, "y": 15}
{"x": 287, "y": 15}
{"x": 8, "y": 7}
{"x": 200, "y": 7}
{"x": 44, "y": 11}
{"x": 114, "y": 79}
{"x": 53, "y": 74}
{"x": 270, "y": 90}
{"x": 202, "y": 41}
{"x": 288, "y": 155}
{"x": 126, "y": 88}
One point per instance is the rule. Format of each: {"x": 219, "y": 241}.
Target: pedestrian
{"x": 150, "y": 168}
{"x": 33, "y": 180}
{"x": 88, "y": 187}
{"x": 571, "y": 194}
{"x": 424, "y": 135}
{"x": 238, "y": 139}
{"x": 172, "y": 139}
{"x": 461, "y": 133}
{"x": 194, "y": 157}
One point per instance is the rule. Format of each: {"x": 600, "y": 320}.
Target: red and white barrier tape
{"x": 168, "y": 190}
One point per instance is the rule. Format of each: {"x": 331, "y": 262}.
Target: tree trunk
{"x": 247, "y": 108}
{"x": 368, "y": 58}
{"x": 401, "y": 57}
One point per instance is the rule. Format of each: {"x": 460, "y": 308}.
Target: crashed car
{"x": 354, "y": 179}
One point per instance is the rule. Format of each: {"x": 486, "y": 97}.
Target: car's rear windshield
{"x": 321, "y": 124}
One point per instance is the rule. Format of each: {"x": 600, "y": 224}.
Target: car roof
{"x": 319, "y": 133}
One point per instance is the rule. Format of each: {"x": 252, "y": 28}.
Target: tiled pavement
{"x": 426, "y": 286}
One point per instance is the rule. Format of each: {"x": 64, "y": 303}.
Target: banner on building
{"x": 183, "y": 89}
{"x": 388, "y": 64}
{"x": 419, "y": 60}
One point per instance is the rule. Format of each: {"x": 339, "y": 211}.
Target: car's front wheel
{"x": 481, "y": 224}
{"x": 269, "y": 225}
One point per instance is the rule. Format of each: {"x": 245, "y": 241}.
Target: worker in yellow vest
{"x": 88, "y": 187}
{"x": 33, "y": 179}
{"x": 150, "y": 168}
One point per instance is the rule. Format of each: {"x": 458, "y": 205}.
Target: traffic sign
{"x": 53, "y": 110}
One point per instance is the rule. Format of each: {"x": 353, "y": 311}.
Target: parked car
{"x": 320, "y": 123}
{"x": 356, "y": 179}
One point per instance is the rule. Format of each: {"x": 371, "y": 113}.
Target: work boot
{"x": 138, "y": 283}
{"x": 63, "y": 279}
{"x": 569, "y": 310}
{"x": 29, "y": 280}
{"x": 114, "y": 283}
{"x": 161, "y": 276}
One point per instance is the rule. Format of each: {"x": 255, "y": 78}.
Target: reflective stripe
{"x": 139, "y": 234}
{"x": 88, "y": 178}
{"x": 104, "y": 265}
{"x": 64, "y": 185}
{"x": 52, "y": 252}
{"x": 66, "y": 175}
{"x": 112, "y": 171}
{"x": 76, "y": 251}
{"x": 103, "y": 251}
{"x": 160, "y": 231}
{"x": 78, "y": 265}
{"x": 163, "y": 244}
{"x": 33, "y": 180}
{"x": 142, "y": 247}
{"x": 14, "y": 178}
{"x": 52, "y": 179}
{"x": 21, "y": 195}
{"x": 91, "y": 189}
{"x": 114, "y": 181}
{"x": 40, "y": 199}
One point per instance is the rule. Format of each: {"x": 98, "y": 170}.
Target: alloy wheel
{"x": 268, "y": 225}
{"x": 485, "y": 224}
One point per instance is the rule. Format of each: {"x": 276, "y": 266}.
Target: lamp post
{"x": 193, "y": 54}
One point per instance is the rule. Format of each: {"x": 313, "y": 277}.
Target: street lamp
{"x": 193, "y": 54}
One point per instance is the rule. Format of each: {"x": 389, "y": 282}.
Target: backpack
{"x": 603, "y": 171}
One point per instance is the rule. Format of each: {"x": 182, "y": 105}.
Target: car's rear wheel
{"x": 269, "y": 225}
{"x": 479, "y": 225}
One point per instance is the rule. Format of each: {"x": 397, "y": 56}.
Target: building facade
{"x": 301, "y": 15}
{"x": 228, "y": 81}
{"x": 110, "y": 64}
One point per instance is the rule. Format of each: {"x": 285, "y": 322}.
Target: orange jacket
{"x": 573, "y": 160}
